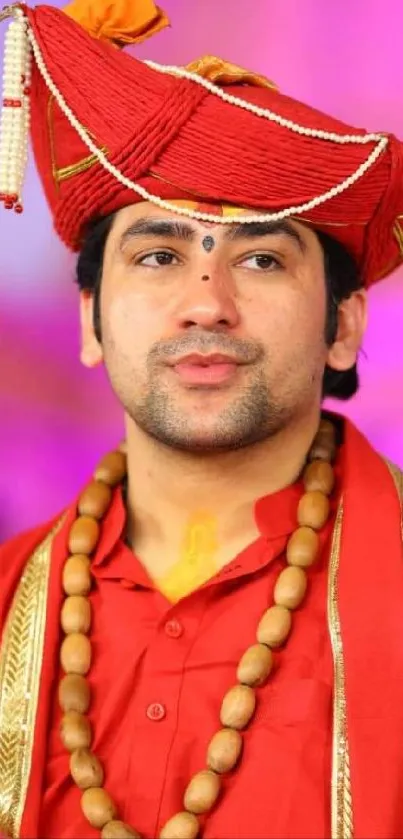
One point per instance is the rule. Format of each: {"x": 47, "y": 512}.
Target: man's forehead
{"x": 145, "y": 210}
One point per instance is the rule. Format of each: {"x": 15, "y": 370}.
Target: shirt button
{"x": 174, "y": 629}
{"x": 156, "y": 712}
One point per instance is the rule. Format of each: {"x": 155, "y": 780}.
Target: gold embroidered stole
{"x": 21, "y": 657}
{"x": 341, "y": 796}
{"x": 341, "y": 800}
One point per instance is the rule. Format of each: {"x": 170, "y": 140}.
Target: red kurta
{"x": 175, "y": 662}
{"x": 160, "y": 672}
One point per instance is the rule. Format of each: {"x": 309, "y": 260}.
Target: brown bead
{"x": 202, "y": 792}
{"x": 77, "y": 575}
{"x": 180, "y": 826}
{"x": 303, "y": 547}
{"x": 290, "y": 587}
{"x": 119, "y": 830}
{"x": 112, "y": 468}
{"x": 74, "y": 693}
{"x": 75, "y": 654}
{"x": 75, "y": 731}
{"x": 326, "y": 427}
{"x": 224, "y": 750}
{"x": 98, "y": 807}
{"x": 319, "y": 476}
{"x": 86, "y": 770}
{"x": 274, "y": 627}
{"x": 323, "y": 447}
{"x": 255, "y": 665}
{"x": 76, "y": 615}
{"x": 238, "y": 707}
{"x": 313, "y": 510}
{"x": 95, "y": 500}
{"x": 84, "y": 535}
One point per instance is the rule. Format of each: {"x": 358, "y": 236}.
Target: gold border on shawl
{"x": 21, "y": 656}
{"x": 397, "y": 476}
{"x": 341, "y": 799}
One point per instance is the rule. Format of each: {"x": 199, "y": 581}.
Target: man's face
{"x": 212, "y": 335}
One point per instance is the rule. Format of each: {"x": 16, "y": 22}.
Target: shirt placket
{"x": 156, "y": 709}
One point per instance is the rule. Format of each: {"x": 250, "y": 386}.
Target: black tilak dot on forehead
{"x": 208, "y": 243}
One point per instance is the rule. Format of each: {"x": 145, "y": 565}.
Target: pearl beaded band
{"x": 15, "y": 111}
{"x": 13, "y": 147}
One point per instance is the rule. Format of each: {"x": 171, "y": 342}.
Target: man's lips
{"x": 198, "y": 369}
{"x": 205, "y": 360}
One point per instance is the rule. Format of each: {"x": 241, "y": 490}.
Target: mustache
{"x": 204, "y": 342}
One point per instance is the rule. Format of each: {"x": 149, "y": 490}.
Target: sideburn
{"x": 97, "y": 308}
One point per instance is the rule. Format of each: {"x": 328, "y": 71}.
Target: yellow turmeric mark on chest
{"x": 196, "y": 563}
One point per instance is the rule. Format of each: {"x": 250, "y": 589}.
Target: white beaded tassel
{"x": 15, "y": 112}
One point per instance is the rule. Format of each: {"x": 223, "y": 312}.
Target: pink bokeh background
{"x": 56, "y": 418}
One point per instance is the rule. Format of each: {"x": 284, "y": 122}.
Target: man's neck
{"x": 167, "y": 489}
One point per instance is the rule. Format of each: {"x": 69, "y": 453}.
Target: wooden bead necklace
{"x": 254, "y": 668}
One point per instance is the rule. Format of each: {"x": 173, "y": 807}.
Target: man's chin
{"x": 206, "y": 440}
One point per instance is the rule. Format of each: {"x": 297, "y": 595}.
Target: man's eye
{"x": 157, "y": 259}
{"x": 261, "y": 262}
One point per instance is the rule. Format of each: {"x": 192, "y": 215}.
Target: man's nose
{"x": 209, "y": 300}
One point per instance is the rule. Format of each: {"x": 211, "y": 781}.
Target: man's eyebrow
{"x": 158, "y": 227}
{"x": 257, "y": 229}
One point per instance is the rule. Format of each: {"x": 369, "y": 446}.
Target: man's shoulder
{"x": 397, "y": 475}
{"x": 367, "y": 466}
{"x": 14, "y": 555}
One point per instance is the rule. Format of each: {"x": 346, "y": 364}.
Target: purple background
{"x": 58, "y": 418}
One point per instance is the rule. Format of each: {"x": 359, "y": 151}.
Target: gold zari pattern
{"x": 397, "y": 476}
{"x": 21, "y": 656}
{"x": 398, "y": 233}
{"x": 341, "y": 799}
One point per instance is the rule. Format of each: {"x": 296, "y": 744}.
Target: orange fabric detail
{"x": 119, "y": 21}
{"x": 205, "y": 207}
{"x": 224, "y": 73}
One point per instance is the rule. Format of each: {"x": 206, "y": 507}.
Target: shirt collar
{"x": 112, "y": 528}
{"x": 275, "y": 516}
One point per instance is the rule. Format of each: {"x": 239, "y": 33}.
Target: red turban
{"x": 105, "y": 124}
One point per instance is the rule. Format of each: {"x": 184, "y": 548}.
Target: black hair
{"x": 342, "y": 278}
{"x": 90, "y": 263}
{"x": 341, "y": 275}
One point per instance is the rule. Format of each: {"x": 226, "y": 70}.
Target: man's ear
{"x": 91, "y": 350}
{"x": 351, "y": 325}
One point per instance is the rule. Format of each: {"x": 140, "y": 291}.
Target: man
{"x": 209, "y": 640}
